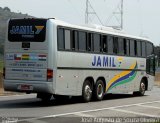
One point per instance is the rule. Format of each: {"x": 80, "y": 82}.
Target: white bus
{"x": 53, "y": 58}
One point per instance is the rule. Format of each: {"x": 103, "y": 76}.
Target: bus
{"x": 50, "y": 57}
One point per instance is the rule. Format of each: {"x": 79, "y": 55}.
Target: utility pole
{"x": 121, "y": 14}
{"x": 118, "y": 15}
{"x": 90, "y": 11}
{"x": 87, "y": 12}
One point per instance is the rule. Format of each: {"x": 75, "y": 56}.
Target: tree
{"x": 6, "y": 9}
{"x": 1, "y": 49}
{"x": 157, "y": 53}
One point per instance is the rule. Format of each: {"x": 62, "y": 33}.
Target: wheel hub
{"x": 143, "y": 87}
{"x": 88, "y": 91}
{"x": 100, "y": 90}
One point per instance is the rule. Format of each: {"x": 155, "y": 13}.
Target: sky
{"x": 141, "y": 17}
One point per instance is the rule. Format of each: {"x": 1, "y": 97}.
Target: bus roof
{"x": 98, "y": 28}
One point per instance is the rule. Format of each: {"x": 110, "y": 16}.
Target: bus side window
{"x": 143, "y": 49}
{"x": 149, "y": 49}
{"x": 96, "y": 39}
{"x": 104, "y": 44}
{"x": 126, "y": 47}
{"x": 74, "y": 40}
{"x": 139, "y": 52}
{"x": 60, "y": 39}
{"x": 67, "y": 39}
{"x": 89, "y": 42}
{"x": 120, "y": 46}
{"x": 110, "y": 44}
{"x": 115, "y": 45}
{"x": 82, "y": 41}
{"x": 135, "y": 47}
{"x": 132, "y": 48}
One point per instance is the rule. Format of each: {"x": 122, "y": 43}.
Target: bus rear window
{"x": 31, "y": 30}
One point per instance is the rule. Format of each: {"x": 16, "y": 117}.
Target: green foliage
{"x": 1, "y": 66}
{"x": 5, "y": 15}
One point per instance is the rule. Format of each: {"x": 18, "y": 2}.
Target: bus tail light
{"x": 49, "y": 74}
{"x": 4, "y": 70}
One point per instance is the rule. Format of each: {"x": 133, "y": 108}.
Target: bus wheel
{"x": 99, "y": 90}
{"x": 142, "y": 89}
{"x": 87, "y": 91}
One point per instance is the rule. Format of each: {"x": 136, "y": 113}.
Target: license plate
{"x": 25, "y": 87}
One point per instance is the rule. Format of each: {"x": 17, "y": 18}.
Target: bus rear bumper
{"x": 28, "y": 86}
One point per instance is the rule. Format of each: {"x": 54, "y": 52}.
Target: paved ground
{"x": 114, "y": 108}
{"x": 157, "y": 83}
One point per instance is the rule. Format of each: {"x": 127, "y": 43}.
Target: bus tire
{"x": 99, "y": 90}
{"x": 87, "y": 91}
{"x": 142, "y": 89}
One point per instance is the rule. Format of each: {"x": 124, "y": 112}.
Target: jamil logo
{"x": 26, "y": 30}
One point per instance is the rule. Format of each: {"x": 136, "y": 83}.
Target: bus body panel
{"x": 77, "y": 67}
{"x": 72, "y": 81}
{"x": 34, "y": 86}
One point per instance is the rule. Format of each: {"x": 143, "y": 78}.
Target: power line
{"x": 121, "y": 14}
{"x": 90, "y": 11}
{"x": 118, "y": 15}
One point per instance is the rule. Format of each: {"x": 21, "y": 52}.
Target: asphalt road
{"x": 114, "y": 108}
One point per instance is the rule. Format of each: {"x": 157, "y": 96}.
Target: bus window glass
{"x": 82, "y": 41}
{"x": 139, "y": 48}
{"x": 143, "y": 49}
{"x": 104, "y": 43}
{"x": 110, "y": 44}
{"x": 120, "y": 46}
{"x": 115, "y": 45}
{"x": 28, "y": 30}
{"x": 60, "y": 38}
{"x": 132, "y": 48}
{"x": 96, "y": 38}
{"x": 89, "y": 42}
{"x": 126, "y": 47}
{"x": 67, "y": 40}
{"x": 149, "y": 49}
{"x": 75, "y": 40}
{"x": 135, "y": 47}
{"x": 72, "y": 40}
